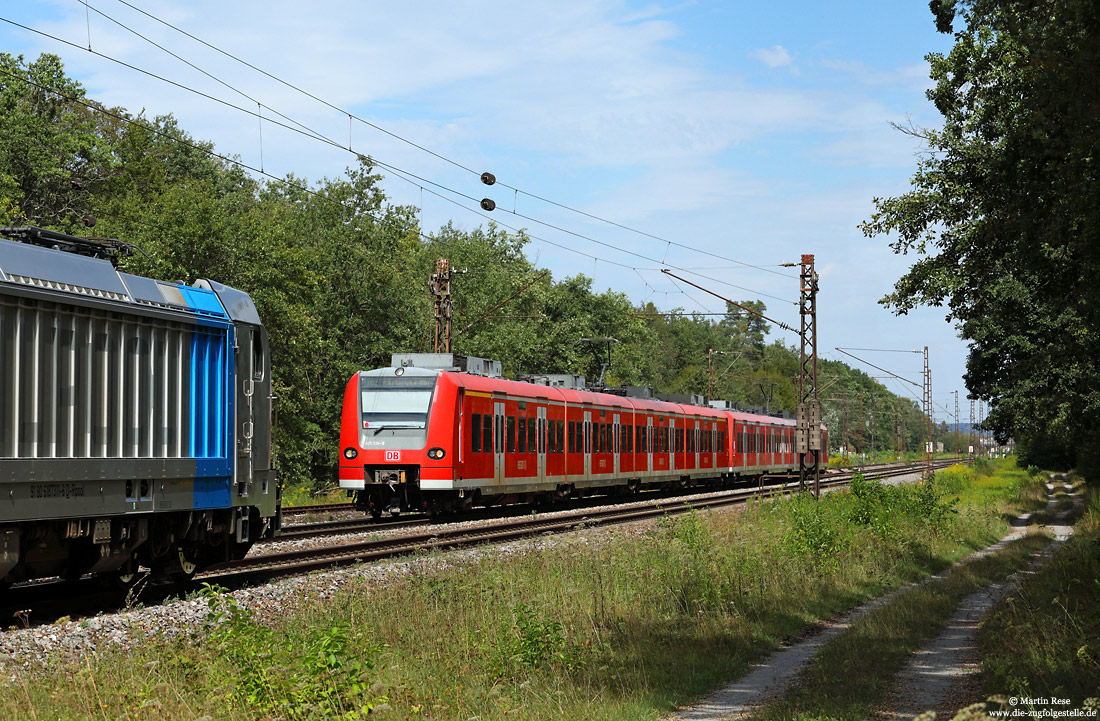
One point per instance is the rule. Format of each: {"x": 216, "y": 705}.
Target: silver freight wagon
{"x": 135, "y": 416}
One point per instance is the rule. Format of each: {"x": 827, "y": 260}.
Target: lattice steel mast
{"x": 809, "y": 408}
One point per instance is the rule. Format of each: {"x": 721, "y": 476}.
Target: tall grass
{"x": 1044, "y": 640}
{"x": 624, "y": 626}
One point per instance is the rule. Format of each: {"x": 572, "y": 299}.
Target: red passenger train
{"x": 421, "y": 438}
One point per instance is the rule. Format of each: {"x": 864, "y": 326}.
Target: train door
{"x": 540, "y": 435}
{"x": 671, "y": 449}
{"x": 498, "y": 445}
{"x": 649, "y": 443}
{"x": 615, "y": 445}
{"x": 698, "y": 437}
{"x": 587, "y": 445}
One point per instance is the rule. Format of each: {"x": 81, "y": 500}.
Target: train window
{"x": 588, "y": 436}
{"x": 532, "y": 443}
{"x": 628, "y": 437}
{"x": 561, "y": 436}
{"x": 486, "y": 433}
{"x": 475, "y": 434}
{"x": 257, "y": 356}
{"x": 510, "y": 438}
{"x": 552, "y": 441}
{"x": 521, "y": 446}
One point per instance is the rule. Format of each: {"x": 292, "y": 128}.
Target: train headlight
{"x": 350, "y": 453}
{"x": 436, "y": 453}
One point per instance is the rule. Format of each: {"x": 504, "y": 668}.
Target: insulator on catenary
{"x": 488, "y": 178}
{"x": 488, "y": 204}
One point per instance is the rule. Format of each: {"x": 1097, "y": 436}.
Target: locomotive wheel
{"x": 188, "y": 564}
{"x": 128, "y": 574}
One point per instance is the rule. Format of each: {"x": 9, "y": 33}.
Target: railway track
{"x": 299, "y": 531}
{"x": 268, "y": 566}
{"x": 289, "y": 512}
{"x": 54, "y": 599}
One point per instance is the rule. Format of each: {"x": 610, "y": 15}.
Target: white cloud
{"x": 774, "y": 57}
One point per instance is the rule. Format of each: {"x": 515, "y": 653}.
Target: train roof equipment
{"x": 448, "y": 362}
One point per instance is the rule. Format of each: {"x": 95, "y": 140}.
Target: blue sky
{"x": 753, "y": 131}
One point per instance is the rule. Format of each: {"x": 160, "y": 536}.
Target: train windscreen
{"x": 395, "y": 402}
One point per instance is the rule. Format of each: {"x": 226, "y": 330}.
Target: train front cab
{"x": 388, "y": 451}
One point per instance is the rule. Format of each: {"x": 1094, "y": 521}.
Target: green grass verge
{"x": 854, "y": 673}
{"x": 1044, "y": 640}
{"x": 626, "y": 628}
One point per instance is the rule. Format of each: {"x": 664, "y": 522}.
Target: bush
{"x": 982, "y": 466}
{"x": 954, "y": 478}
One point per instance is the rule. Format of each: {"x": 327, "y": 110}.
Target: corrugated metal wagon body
{"x": 128, "y": 419}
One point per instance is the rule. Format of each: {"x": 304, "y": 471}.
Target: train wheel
{"x": 128, "y": 575}
{"x": 188, "y": 564}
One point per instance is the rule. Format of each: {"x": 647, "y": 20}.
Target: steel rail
{"x": 268, "y": 566}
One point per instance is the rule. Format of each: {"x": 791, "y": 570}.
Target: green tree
{"x": 53, "y": 155}
{"x": 1005, "y": 211}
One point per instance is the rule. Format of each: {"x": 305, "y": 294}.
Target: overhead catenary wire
{"x": 394, "y": 169}
{"x": 861, "y": 360}
{"x": 437, "y": 155}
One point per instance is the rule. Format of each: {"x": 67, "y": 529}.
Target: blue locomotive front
{"x": 135, "y": 416}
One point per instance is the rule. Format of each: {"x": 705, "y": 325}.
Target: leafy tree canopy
{"x": 1004, "y": 211}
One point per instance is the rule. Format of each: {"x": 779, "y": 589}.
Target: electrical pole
{"x": 710, "y": 369}
{"x": 971, "y": 427}
{"x": 929, "y": 425}
{"x": 872, "y": 456}
{"x": 809, "y": 409}
{"x": 956, "y": 424}
{"x": 442, "y": 310}
{"x": 897, "y": 430}
{"x": 981, "y": 431}
{"x": 844, "y": 425}
{"x": 862, "y": 424}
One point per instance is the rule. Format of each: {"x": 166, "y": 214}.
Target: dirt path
{"x": 943, "y": 676}
{"x": 778, "y": 671}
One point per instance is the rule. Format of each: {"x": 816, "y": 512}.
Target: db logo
{"x": 393, "y": 455}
